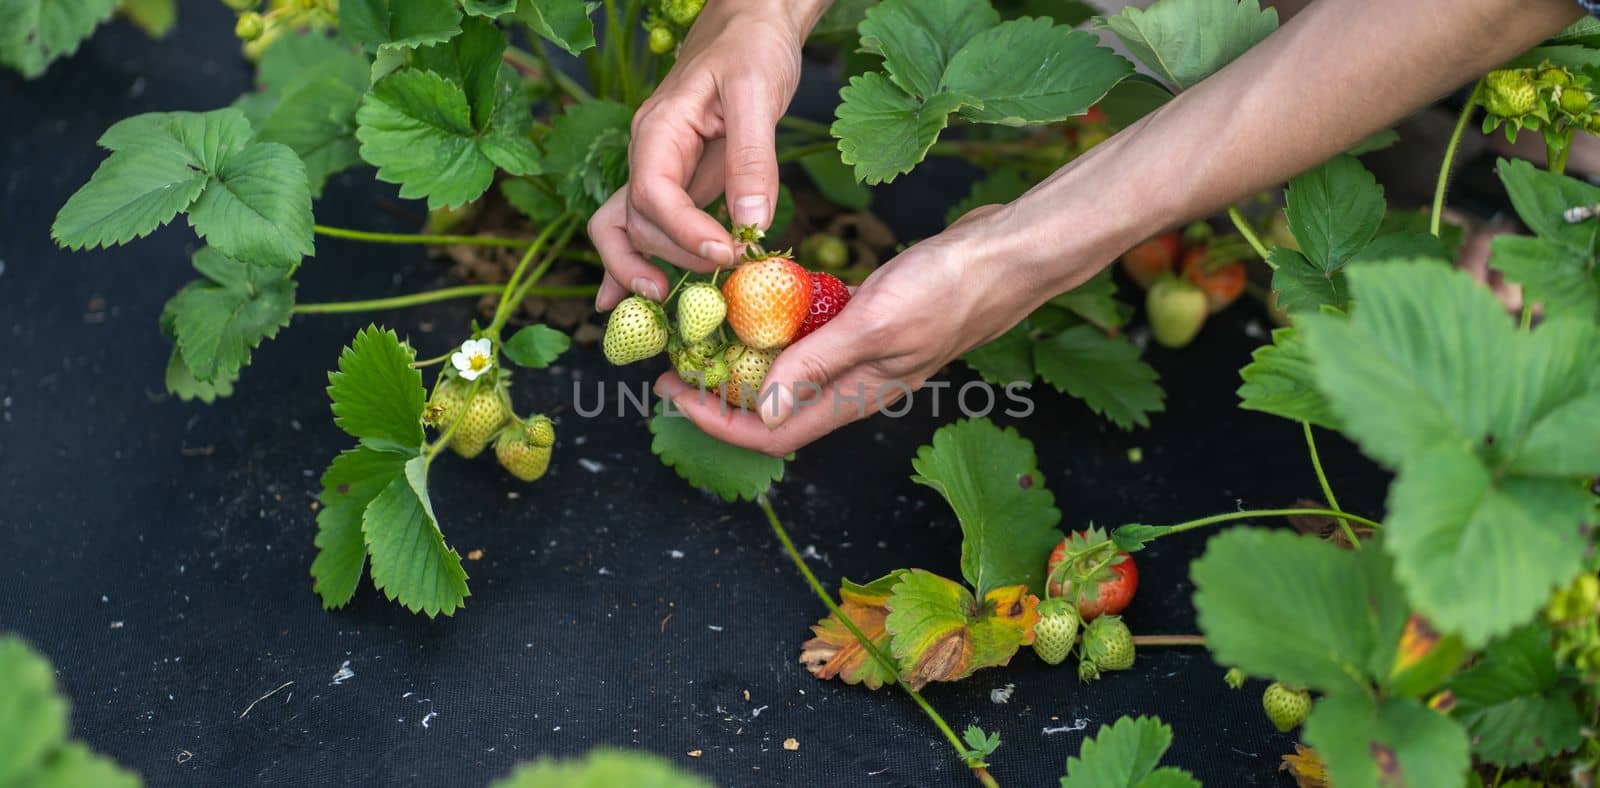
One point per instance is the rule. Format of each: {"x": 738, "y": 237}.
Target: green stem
{"x": 803, "y": 151}
{"x": 527, "y": 287}
{"x": 1245, "y": 515}
{"x": 1327, "y": 490}
{"x": 396, "y": 302}
{"x": 1244, "y": 229}
{"x": 1443, "y": 183}
{"x": 793, "y": 123}
{"x": 522, "y": 265}
{"x": 1169, "y": 640}
{"x": 414, "y": 238}
{"x": 1527, "y": 314}
{"x": 866, "y": 643}
{"x": 444, "y": 437}
{"x": 557, "y": 77}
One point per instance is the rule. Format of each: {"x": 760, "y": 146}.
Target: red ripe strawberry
{"x": 828, "y": 296}
{"x": 1222, "y": 282}
{"x": 1146, "y": 262}
{"x": 768, "y": 299}
{"x": 1100, "y": 580}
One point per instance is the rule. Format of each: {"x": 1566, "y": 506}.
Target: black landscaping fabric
{"x": 157, "y": 551}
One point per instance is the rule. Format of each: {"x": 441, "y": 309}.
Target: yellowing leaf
{"x": 939, "y": 632}
{"x": 835, "y": 652}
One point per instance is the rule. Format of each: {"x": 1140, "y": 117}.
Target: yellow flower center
{"x": 478, "y": 362}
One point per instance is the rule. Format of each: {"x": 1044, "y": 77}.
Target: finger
{"x": 744, "y": 428}
{"x": 609, "y": 294}
{"x": 651, "y": 240}
{"x": 708, "y": 180}
{"x": 626, "y": 269}
{"x": 805, "y": 370}
{"x": 661, "y": 161}
{"x": 752, "y": 156}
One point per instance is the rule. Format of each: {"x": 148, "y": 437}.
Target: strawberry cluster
{"x": 1187, "y": 276}
{"x": 768, "y": 302}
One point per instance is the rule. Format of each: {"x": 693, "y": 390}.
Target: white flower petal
{"x": 478, "y": 346}
{"x": 468, "y": 373}
{"x": 460, "y": 361}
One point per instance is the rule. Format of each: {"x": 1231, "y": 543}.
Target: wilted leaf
{"x": 835, "y": 652}
{"x": 939, "y": 632}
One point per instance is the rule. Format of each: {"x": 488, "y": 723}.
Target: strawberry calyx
{"x": 1086, "y": 564}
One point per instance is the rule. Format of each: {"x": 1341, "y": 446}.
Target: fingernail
{"x": 751, "y": 210}
{"x": 716, "y": 252}
{"x": 782, "y": 405}
{"x": 645, "y": 286}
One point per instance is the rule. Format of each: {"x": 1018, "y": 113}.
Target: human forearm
{"x": 1338, "y": 72}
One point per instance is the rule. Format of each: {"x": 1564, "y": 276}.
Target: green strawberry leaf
{"x": 1006, "y": 359}
{"x": 470, "y": 60}
{"x": 836, "y": 181}
{"x": 1105, "y": 372}
{"x": 1168, "y": 40}
{"x": 218, "y": 320}
{"x": 1279, "y": 380}
{"x": 411, "y": 564}
{"x": 728, "y": 471}
{"x": 1302, "y": 286}
{"x": 602, "y": 768}
{"x": 377, "y": 395}
{"x": 182, "y": 382}
{"x": 834, "y": 652}
{"x": 351, "y": 482}
{"x": 1334, "y": 211}
{"x": 1132, "y": 99}
{"x": 940, "y": 632}
{"x": 997, "y": 187}
{"x": 34, "y": 33}
{"x": 991, "y": 479}
{"x": 536, "y": 347}
{"x": 919, "y": 38}
{"x": 33, "y": 725}
{"x": 1126, "y": 754}
{"x": 883, "y": 131}
{"x": 1298, "y": 609}
{"x": 1513, "y": 703}
{"x": 1565, "y": 280}
{"x": 1493, "y": 433}
{"x": 317, "y": 120}
{"x": 1393, "y": 741}
{"x": 1541, "y": 198}
{"x": 565, "y": 23}
{"x": 535, "y": 198}
{"x": 416, "y": 127}
{"x": 399, "y": 23}
{"x": 257, "y": 206}
{"x": 1015, "y": 85}
{"x": 491, "y": 9}
{"x": 1096, "y": 302}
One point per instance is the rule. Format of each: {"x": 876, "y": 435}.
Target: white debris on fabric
{"x": 605, "y": 571}
{"x": 811, "y": 552}
{"x": 343, "y": 674}
{"x": 713, "y": 627}
{"x": 756, "y": 712}
{"x": 116, "y": 625}
{"x": 1002, "y": 694}
{"x": 1077, "y": 725}
{"x": 428, "y": 718}
{"x": 590, "y": 465}
{"x": 1254, "y": 330}
{"x": 674, "y": 553}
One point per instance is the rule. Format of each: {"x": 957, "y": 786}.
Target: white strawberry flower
{"x": 474, "y": 358}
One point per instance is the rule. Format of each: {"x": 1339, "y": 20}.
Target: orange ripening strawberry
{"x": 1222, "y": 281}
{"x": 768, "y": 298}
{"x": 1146, "y": 262}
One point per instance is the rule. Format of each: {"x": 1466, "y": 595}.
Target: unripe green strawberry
{"x": 449, "y": 397}
{"x": 1108, "y": 643}
{"x": 1509, "y": 92}
{"x": 1177, "y": 308}
{"x": 1286, "y": 707}
{"x": 700, "y": 311}
{"x": 249, "y": 27}
{"x": 661, "y": 40}
{"x": 747, "y": 368}
{"x": 1053, "y": 636}
{"x": 1234, "y": 678}
{"x": 484, "y": 416}
{"x": 524, "y": 448}
{"x": 682, "y": 12}
{"x": 1575, "y": 101}
{"x": 820, "y": 250}
{"x": 636, "y": 331}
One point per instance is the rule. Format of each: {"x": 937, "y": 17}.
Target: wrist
{"x": 800, "y": 15}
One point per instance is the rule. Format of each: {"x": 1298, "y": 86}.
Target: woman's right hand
{"x": 708, "y": 129}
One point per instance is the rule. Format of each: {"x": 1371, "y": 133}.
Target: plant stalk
{"x": 444, "y": 437}
{"x": 1327, "y": 490}
{"x": 1443, "y": 182}
{"x": 1169, "y": 640}
{"x": 883, "y": 660}
{"x": 1245, "y": 515}
{"x": 1249, "y": 234}
{"x": 414, "y": 238}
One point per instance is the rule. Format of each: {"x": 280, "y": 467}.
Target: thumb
{"x": 805, "y": 370}
{"x": 752, "y": 157}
